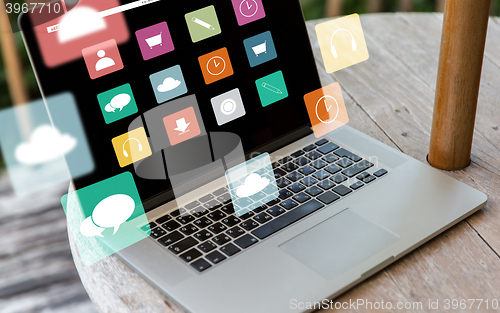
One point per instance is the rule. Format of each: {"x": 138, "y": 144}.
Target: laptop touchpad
{"x": 339, "y": 243}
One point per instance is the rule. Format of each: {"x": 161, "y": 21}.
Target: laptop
{"x": 347, "y": 206}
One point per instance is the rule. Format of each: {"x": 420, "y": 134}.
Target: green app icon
{"x": 117, "y": 103}
{"x": 106, "y": 217}
{"x": 271, "y": 88}
{"x": 203, "y": 23}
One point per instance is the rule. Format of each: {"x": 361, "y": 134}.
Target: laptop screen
{"x": 242, "y": 67}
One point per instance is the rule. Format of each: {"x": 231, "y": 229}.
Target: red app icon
{"x": 182, "y": 126}
{"x": 102, "y": 59}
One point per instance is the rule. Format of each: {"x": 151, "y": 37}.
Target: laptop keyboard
{"x": 308, "y": 180}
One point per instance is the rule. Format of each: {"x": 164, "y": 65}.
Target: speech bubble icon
{"x": 113, "y": 211}
{"x": 89, "y": 229}
{"x": 118, "y": 102}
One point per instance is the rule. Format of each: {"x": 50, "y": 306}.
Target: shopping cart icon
{"x": 259, "y": 49}
{"x": 154, "y": 41}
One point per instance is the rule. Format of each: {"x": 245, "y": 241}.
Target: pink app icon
{"x": 154, "y": 40}
{"x": 182, "y": 126}
{"x": 102, "y": 59}
{"x": 248, "y": 11}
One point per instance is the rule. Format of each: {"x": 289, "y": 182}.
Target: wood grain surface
{"x": 389, "y": 97}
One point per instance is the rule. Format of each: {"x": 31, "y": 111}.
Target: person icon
{"x": 104, "y": 62}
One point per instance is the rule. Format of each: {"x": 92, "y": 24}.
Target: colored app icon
{"x": 102, "y": 59}
{"x": 154, "y": 40}
{"x": 228, "y": 106}
{"x": 260, "y": 49}
{"x": 272, "y": 88}
{"x": 342, "y": 43}
{"x": 181, "y": 126}
{"x": 326, "y": 109}
{"x": 203, "y": 23}
{"x": 216, "y": 66}
{"x": 106, "y": 217}
{"x": 117, "y": 103}
{"x": 248, "y": 11}
{"x": 168, "y": 84}
{"x": 131, "y": 147}
{"x": 252, "y": 184}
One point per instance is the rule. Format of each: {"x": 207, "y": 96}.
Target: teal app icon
{"x": 117, "y": 103}
{"x": 106, "y": 217}
{"x": 271, "y": 88}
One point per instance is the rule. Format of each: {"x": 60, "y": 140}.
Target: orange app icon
{"x": 216, "y": 66}
{"x": 326, "y": 109}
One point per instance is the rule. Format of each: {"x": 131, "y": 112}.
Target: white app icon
{"x": 228, "y": 107}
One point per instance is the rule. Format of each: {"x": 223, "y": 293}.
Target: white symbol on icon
{"x": 272, "y": 88}
{"x": 216, "y": 62}
{"x": 253, "y": 184}
{"x": 182, "y": 126}
{"x": 139, "y": 146}
{"x": 169, "y": 84}
{"x": 326, "y": 101}
{"x": 104, "y": 61}
{"x": 110, "y": 212}
{"x": 353, "y": 42}
{"x": 259, "y": 49}
{"x": 154, "y": 41}
{"x": 118, "y": 102}
{"x": 228, "y": 106}
{"x": 250, "y": 9}
{"x": 202, "y": 23}
{"x": 78, "y": 23}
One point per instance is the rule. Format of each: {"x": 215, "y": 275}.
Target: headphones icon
{"x": 125, "y": 153}
{"x": 334, "y": 51}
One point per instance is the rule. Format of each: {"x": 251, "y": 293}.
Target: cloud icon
{"x": 118, "y": 102}
{"x": 169, "y": 84}
{"x": 80, "y": 22}
{"x": 46, "y": 144}
{"x": 253, "y": 184}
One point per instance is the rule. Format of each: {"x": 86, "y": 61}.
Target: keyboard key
{"x": 275, "y": 210}
{"x": 314, "y": 191}
{"x": 285, "y": 160}
{"x": 260, "y": 208}
{"x": 345, "y": 162}
{"x": 149, "y": 226}
{"x": 326, "y": 184}
{"x": 203, "y": 235}
{"x": 206, "y": 198}
{"x": 246, "y": 241}
{"x": 157, "y": 232}
{"x": 189, "y": 229}
{"x": 279, "y": 173}
{"x": 357, "y": 185}
{"x": 309, "y": 181}
{"x": 357, "y": 168}
{"x": 297, "y": 187}
{"x": 262, "y": 218}
{"x": 216, "y": 215}
{"x": 242, "y": 202}
{"x": 192, "y": 205}
{"x": 282, "y": 182}
{"x": 302, "y": 161}
{"x": 219, "y": 192}
{"x": 328, "y": 197}
{"x": 342, "y": 190}
{"x": 221, "y": 239}
{"x": 380, "y": 173}
{"x": 362, "y": 176}
{"x": 319, "y": 164}
{"x": 191, "y": 255}
{"x": 175, "y": 213}
{"x": 285, "y": 193}
{"x": 369, "y": 179}
{"x": 287, "y": 204}
{"x": 339, "y": 178}
{"x": 271, "y": 203}
{"x": 199, "y": 212}
{"x": 287, "y": 219}
{"x": 215, "y": 257}
{"x": 164, "y": 219}
{"x": 217, "y": 228}
{"x": 330, "y": 158}
{"x": 231, "y": 221}
{"x": 230, "y": 249}
{"x": 235, "y": 232}
{"x": 321, "y": 142}
{"x": 306, "y": 170}
{"x": 297, "y": 154}
{"x": 320, "y": 175}
{"x": 249, "y": 225}
{"x": 343, "y": 153}
{"x": 309, "y": 148}
{"x": 328, "y": 148}
{"x": 275, "y": 165}
{"x": 212, "y": 205}
{"x": 185, "y": 219}
{"x": 183, "y": 245}
{"x": 314, "y": 155}
{"x": 294, "y": 176}
{"x": 202, "y": 222}
{"x": 171, "y": 225}
{"x": 170, "y": 238}
{"x": 290, "y": 167}
{"x": 301, "y": 197}
{"x": 332, "y": 169}
{"x": 200, "y": 265}
{"x": 246, "y": 216}
{"x": 228, "y": 209}
{"x": 225, "y": 198}
{"x": 207, "y": 246}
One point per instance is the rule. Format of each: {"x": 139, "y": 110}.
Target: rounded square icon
{"x": 168, "y": 84}
{"x": 326, "y": 109}
{"x": 203, "y": 23}
{"x": 102, "y": 59}
{"x": 182, "y": 126}
{"x": 131, "y": 147}
{"x": 271, "y": 88}
{"x": 228, "y": 106}
{"x": 248, "y": 11}
{"x": 342, "y": 42}
{"x": 154, "y": 40}
{"x": 117, "y": 103}
{"x": 216, "y": 66}
{"x": 260, "y": 49}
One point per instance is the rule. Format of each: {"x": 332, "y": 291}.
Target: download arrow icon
{"x": 182, "y": 126}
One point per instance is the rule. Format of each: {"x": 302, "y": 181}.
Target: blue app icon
{"x": 168, "y": 84}
{"x": 260, "y": 49}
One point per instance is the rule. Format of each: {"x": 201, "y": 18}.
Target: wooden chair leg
{"x": 334, "y": 7}
{"x": 440, "y": 5}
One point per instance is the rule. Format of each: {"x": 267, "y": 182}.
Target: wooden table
{"x": 390, "y": 97}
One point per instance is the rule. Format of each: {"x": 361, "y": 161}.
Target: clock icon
{"x": 248, "y": 8}
{"x": 325, "y": 108}
{"x": 216, "y": 65}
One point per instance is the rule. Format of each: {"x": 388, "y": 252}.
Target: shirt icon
{"x": 216, "y": 66}
{"x": 181, "y": 126}
{"x": 131, "y": 147}
{"x": 102, "y": 59}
